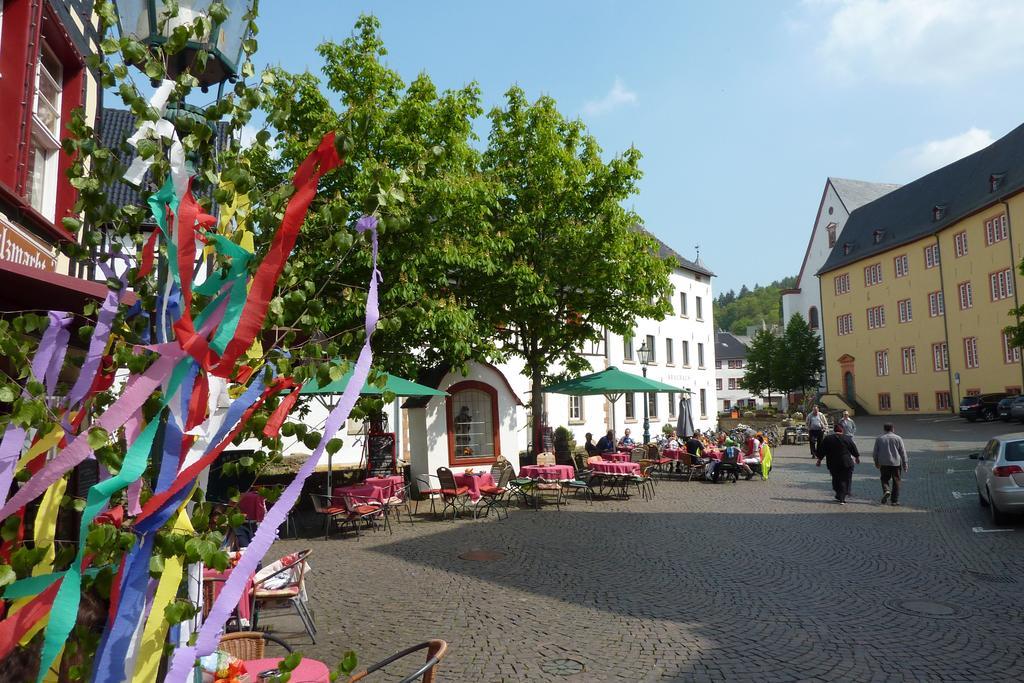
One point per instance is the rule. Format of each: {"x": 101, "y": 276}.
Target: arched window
{"x": 473, "y": 434}
{"x": 812, "y": 317}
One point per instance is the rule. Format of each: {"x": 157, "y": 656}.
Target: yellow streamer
{"x": 155, "y": 632}
{"x": 44, "y": 444}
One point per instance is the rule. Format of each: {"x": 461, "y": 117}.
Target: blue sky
{"x": 741, "y": 109}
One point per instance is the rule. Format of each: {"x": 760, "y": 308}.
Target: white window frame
{"x": 575, "y": 409}
{"x": 686, "y": 353}
{"x": 902, "y": 265}
{"x": 45, "y": 142}
{"x": 908, "y": 356}
{"x": 882, "y": 363}
{"x": 652, "y": 349}
{"x": 931, "y": 256}
{"x": 844, "y": 324}
{"x": 1011, "y": 354}
{"x": 699, "y": 305}
{"x": 627, "y": 348}
{"x": 885, "y": 401}
{"x": 960, "y": 243}
{"x": 652, "y": 406}
{"x": 1001, "y": 285}
{"x": 630, "y": 405}
{"x": 873, "y": 275}
{"x": 940, "y": 356}
{"x": 911, "y": 401}
{"x": 700, "y": 354}
{"x": 842, "y": 284}
{"x": 670, "y": 352}
{"x": 996, "y": 229}
{"x": 966, "y": 295}
{"x": 971, "y": 359}
{"x": 905, "y": 310}
{"x": 936, "y": 304}
{"x": 683, "y": 312}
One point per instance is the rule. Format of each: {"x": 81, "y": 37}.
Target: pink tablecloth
{"x": 391, "y": 484}
{"x": 474, "y": 482}
{"x": 217, "y": 580}
{"x": 616, "y": 457}
{"x": 361, "y": 493}
{"x": 253, "y": 506}
{"x": 616, "y": 467}
{"x": 549, "y": 472}
{"x": 308, "y": 670}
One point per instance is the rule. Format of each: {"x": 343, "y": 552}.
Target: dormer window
{"x": 831, "y": 228}
{"x": 938, "y": 212}
{"x": 995, "y": 181}
{"x": 878, "y": 235}
{"x": 847, "y": 248}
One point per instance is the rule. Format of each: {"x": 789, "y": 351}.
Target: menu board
{"x": 380, "y": 454}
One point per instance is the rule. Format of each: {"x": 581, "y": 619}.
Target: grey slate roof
{"x": 665, "y": 251}
{"x": 727, "y": 346}
{"x": 905, "y": 214}
{"x": 856, "y": 193}
{"x": 116, "y": 126}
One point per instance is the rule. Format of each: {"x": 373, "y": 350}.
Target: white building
{"x": 730, "y": 367}
{"x": 485, "y": 416}
{"x": 838, "y": 200}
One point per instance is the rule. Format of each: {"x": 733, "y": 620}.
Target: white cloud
{"x": 618, "y": 96}
{"x": 920, "y": 41}
{"x": 929, "y": 156}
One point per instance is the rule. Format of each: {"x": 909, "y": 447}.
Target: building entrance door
{"x": 848, "y": 389}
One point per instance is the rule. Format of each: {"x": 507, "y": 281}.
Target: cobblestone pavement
{"x": 758, "y": 581}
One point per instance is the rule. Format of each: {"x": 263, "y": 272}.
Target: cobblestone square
{"x": 758, "y": 581}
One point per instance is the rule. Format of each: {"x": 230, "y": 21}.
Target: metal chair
{"x": 425, "y": 488}
{"x": 398, "y": 501}
{"x": 495, "y": 497}
{"x": 292, "y": 593}
{"x": 453, "y": 495}
{"x": 436, "y": 650}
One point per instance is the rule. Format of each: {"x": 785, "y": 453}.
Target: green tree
{"x": 764, "y": 364}
{"x": 802, "y": 357}
{"x": 411, "y": 153}
{"x": 763, "y": 303}
{"x": 574, "y": 262}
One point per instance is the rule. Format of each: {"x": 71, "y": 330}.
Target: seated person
{"x": 731, "y": 456}
{"x": 590, "y": 445}
{"x": 752, "y": 455}
{"x": 606, "y": 444}
{"x": 673, "y": 441}
{"x": 695, "y": 448}
{"x": 626, "y": 442}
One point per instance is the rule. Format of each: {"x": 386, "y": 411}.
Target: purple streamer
{"x": 209, "y": 634}
{"x": 54, "y": 344}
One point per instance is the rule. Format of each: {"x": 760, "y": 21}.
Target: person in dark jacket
{"x": 840, "y": 455}
{"x": 591, "y": 446}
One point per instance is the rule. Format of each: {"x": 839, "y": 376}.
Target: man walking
{"x": 815, "y": 430}
{"x": 891, "y": 460}
{"x": 849, "y": 426}
{"x": 840, "y": 454}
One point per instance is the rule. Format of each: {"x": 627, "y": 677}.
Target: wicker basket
{"x": 243, "y": 644}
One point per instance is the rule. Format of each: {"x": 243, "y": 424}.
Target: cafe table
{"x": 474, "y": 481}
{"x": 308, "y": 670}
{"x": 361, "y": 493}
{"x": 607, "y": 467}
{"x": 391, "y": 484}
{"x": 616, "y": 457}
{"x": 548, "y": 472}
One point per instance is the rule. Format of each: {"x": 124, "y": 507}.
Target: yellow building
{"x": 918, "y": 289}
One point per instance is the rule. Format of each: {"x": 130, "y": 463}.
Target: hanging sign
{"x": 17, "y": 246}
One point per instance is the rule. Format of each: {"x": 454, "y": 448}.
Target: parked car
{"x": 982, "y": 406}
{"x": 1000, "y": 476}
{"x": 1017, "y": 409}
{"x": 1003, "y": 407}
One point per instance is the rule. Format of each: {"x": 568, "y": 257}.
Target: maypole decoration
{"x": 193, "y": 370}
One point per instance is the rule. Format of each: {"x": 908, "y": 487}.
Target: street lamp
{"x": 644, "y": 355}
{"x": 225, "y": 30}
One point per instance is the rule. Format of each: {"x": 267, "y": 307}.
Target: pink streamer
{"x": 127, "y": 404}
{"x": 266, "y": 533}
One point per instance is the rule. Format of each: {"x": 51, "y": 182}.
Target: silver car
{"x": 1000, "y": 476}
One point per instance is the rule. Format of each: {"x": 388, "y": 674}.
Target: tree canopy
{"x": 736, "y": 312}
{"x": 573, "y": 261}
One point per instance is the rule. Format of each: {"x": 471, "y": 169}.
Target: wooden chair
{"x": 249, "y": 644}
{"x": 436, "y": 650}
{"x": 546, "y": 458}
{"x": 351, "y": 511}
{"x": 454, "y": 496}
{"x": 691, "y": 467}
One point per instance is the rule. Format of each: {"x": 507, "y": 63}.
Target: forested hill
{"x": 735, "y": 312}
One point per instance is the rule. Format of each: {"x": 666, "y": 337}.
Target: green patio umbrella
{"x": 396, "y": 385}
{"x": 612, "y": 383}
